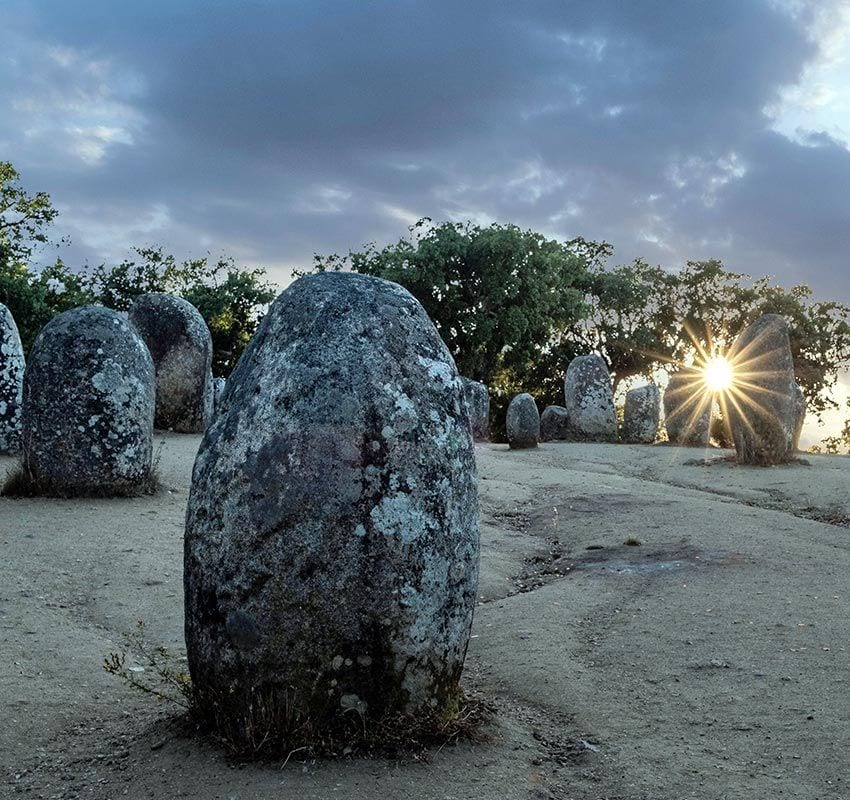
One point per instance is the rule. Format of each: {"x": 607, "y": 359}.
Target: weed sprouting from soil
{"x": 268, "y": 725}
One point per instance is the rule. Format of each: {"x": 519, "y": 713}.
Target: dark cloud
{"x": 273, "y": 130}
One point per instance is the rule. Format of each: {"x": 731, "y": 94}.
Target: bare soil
{"x": 709, "y": 657}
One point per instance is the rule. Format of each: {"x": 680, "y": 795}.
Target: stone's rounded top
{"x": 523, "y": 422}
{"x": 163, "y": 318}
{"x": 88, "y": 325}
{"x": 331, "y": 533}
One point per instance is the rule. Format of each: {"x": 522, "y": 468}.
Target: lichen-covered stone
{"x": 478, "y": 401}
{"x": 589, "y": 399}
{"x": 687, "y": 409}
{"x": 88, "y": 405}
{"x": 331, "y": 549}
{"x": 642, "y": 414}
{"x": 181, "y": 346}
{"x": 554, "y": 424}
{"x": 800, "y": 408}
{"x": 522, "y": 422}
{"x": 764, "y": 415}
{"x": 11, "y": 383}
{"x": 218, "y": 391}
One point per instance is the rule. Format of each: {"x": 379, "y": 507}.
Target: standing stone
{"x": 687, "y": 409}
{"x": 88, "y": 406}
{"x": 331, "y": 549}
{"x": 764, "y": 417}
{"x": 523, "y": 422}
{"x": 11, "y": 383}
{"x": 799, "y": 415}
{"x": 642, "y": 414}
{"x": 218, "y": 391}
{"x": 589, "y": 399}
{"x": 181, "y": 347}
{"x": 478, "y": 400}
{"x": 554, "y": 424}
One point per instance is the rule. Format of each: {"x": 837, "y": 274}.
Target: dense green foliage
{"x": 512, "y": 306}
{"x": 230, "y": 299}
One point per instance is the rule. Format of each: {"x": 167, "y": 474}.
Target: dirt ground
{"x": 711, "y": 660}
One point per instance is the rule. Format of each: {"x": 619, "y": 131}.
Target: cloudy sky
{"x": 271, "y": 130}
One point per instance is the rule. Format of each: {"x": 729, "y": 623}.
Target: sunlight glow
{"x": 718, "y": 374}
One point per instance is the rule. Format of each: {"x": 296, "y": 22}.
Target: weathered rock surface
{"x": 478, "y": 400}
{"x": 88, "y": 405}
{"x": 181, "y": 346}
{"x": 642, "y": 414}
{"x": 554, "y": 424}
{"x": 218, "y": 391}
{"x": 687, "y": 409}
{"x": 589, "y": 399}
{"x": 800, "y": 408}
{"x": 331, "y": 548}
{"x": 764, "y": 418}
{"x": 11, "y": 383}
{"x": 522, "y": 422}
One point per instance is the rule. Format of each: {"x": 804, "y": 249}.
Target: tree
{"x": 23, "y": 217}
{"x": 230, "y": 299}
{"x": 501, "y": 298}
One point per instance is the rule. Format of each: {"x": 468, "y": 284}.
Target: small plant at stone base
{"x": 632, "y": 541}
{"x": 162, "y": 680}
{"x": 270, "y": 726}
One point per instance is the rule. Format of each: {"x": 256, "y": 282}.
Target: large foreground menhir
{"x": 331, "y": 550}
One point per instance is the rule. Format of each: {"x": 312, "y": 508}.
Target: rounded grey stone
{"x": 11, "y": 383}
{"x": 331, "y": 547}
{"x": 687, "y": 409}
{"x": 764, "y": 417}
{"x": 523, "y": 422}
{"x": 642, "y": 414}
{"x": 589, "y": 399}
{"x": 554, "y": 424}
{"x": 181, "y": 346}
{"x": 88, "y": 405}
{"x": 478, "y": 401}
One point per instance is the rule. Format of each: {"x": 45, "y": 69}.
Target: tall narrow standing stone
{"x": 11, "y": 383}
{"x": 522, "y": 422}
{"x": 331, "y": 550}
{"x": 478, "y": 400}
{"x": 642, "y": 414}
{"x": 687, "y": 409}
{"x": 88, "y": 405}
{"x": 764, "y": 415}
{"x": 181, "y": 347}
{"x": 799, "y": 415}
{"x": 589, "y": 399}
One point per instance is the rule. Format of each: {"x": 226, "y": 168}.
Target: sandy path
{"x": 710, "y": 661}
